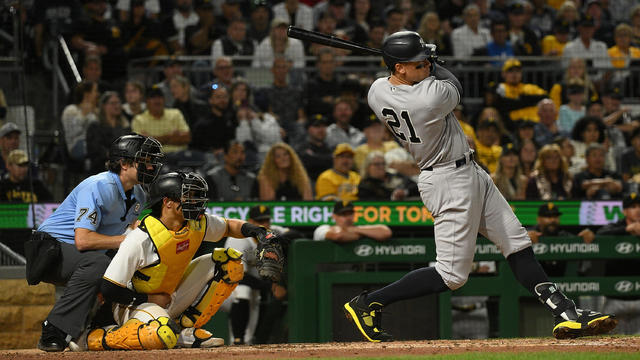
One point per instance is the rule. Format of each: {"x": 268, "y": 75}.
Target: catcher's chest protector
{"x": 175, "y": 249}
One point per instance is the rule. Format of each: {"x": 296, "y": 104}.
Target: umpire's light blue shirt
{"x": 97, "y": 204}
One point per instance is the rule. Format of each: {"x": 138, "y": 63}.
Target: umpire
{"x": 68, "y": 248}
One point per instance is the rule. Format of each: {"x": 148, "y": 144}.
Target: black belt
{"x": 459, "y": 162}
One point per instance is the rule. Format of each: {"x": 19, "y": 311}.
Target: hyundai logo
{"x": 624, "y": 286}
{"x": 363, "y": 250}
{"x": 624, "y": 248}
{"x": 539, "y": 248}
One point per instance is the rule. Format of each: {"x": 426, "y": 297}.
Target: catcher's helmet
{"x": 143, "y": 150}
{"x": 405, "y": 46}
{"x": 188, "y": 188}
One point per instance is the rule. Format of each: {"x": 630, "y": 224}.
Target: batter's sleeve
{"x": 442, "y": 97}
{"x": 216, "y": 228}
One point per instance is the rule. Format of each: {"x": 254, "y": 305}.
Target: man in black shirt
{"x": 322, "y": 90}
{"x": 314, "y": 152}
{"x": 15, "y": 187}
{"x": 214, "y": 129}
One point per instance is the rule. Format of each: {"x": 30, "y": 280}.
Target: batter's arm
{"x": 441, "y": 73}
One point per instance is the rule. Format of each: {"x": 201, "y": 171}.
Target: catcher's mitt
{"x": 269, "y": 256}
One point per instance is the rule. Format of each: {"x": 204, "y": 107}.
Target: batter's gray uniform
{"x": 460, "y": 195}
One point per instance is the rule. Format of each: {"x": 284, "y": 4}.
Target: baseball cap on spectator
{"x": 279, "y": 22}
{"x": 154, "y": 91}
{"x": 591, "y": 2}
{"x": 337, "y": 2}
{"x": 548, "y": 210}
{"x": 516, "y": 7}
{"x": 511, "y": 64}
{"x": 260, "y": 213}
{"x": 259, "y": 3}
{"x": 614, "y": 92}
{"x": 317, "y": 120}
{"x": 575, "y": 88}
{"x": 341, "y": 207}
{"x": 487, "y": 123}
{"x": 137, "y": 3}
{"x": 630, "y": 199}
{"x": 342, "y": 149}
{"x": 18, "y": 157}
{"x": 586, "y": 20}
{"x": 172, "y": 60}
{"x": 203, "y": 4}
{"x": 372, "y": 120}
{"x": 561, "y": 26}
{"x": 525, "y": 123}
{"x": 509, "y": 149}
{"x": 233, "y": 2}
{"x": 8, "y": 128}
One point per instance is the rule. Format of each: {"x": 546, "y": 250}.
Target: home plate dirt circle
{"x": 353, "y": 349}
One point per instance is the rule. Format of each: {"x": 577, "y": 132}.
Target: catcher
{"x": 162, "y": 296}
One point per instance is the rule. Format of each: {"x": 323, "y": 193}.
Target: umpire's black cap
{"x": 260, "y": 213}
{"x": 548, "y": 209}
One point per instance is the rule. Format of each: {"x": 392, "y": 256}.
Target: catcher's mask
{"x": 188, "y": 188}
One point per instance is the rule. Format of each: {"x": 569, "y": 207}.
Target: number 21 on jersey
{"x": 393, "y": 121}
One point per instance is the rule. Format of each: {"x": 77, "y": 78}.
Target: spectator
{"x": 9, "y": 141}
{"x": 596, "y": 183}
{"x": 630, "y": 162}
{"x": 285, "y": 101}
{"x": 259, "y": 20}
{"x": 151, "y": 7}
{"x": 344, "y": 231}
{"x": 260, "y": 129}
{"x": 96, "y": 34}
{"x": 525, "y": 132}
{"x": 623, "y": 53}
{"x": 326, "y": 24}
{"x": 616, "y": 115}
{"x": 528, "y": 153}
{"x": 468, "y": 37}
{"x": 191, "y": 108}
{"x": 234, "y": 43}
{"x": 351, "y": 92}
{"x": 590, "y": 130}
{"x": 342, "y": 131}
{"x": 499, "y": 46}
{"x": 508, "y": 176}
{"x": 339, "y": 182}
{"x": 15, "y": 186}
{"x": 229, "y": 181}
{"x": 51, "y": 19}
{"x": 431, "y": 33}
{"x": 376, "y": 37}
{"x": 546, "y": 130}
{"x": 241, "y": 94}
{"x": 626, "y": 307}
{"x": 246, "y": 298}
{"x": 586, "y": 47}
{"x": 212, "y": 131}
{"x": 182, "y": 17}
{"x": 142, "y": 35}
{"x": 375, "y": 141}
{"x": 164, "y": 124}
{"x": 200, "y": 37}
{"x": 314, "y": 152}
{"x": 515, "y": 99}
{"x": 635, "y": 25}
{"x": 570, "y": 112}
{"x": 278, "y": 43}
{"x": 171, "y": 69}
{"x": 76, "y": 118}
{"x": 395, "y": 20}
{"x": 295, "y": 12}
{"x": 542, "y": 19}
{"x": 488, "y": 150}
{"x": 553, "y": 44}
{"x": 577, "y": 69}
{"x": 362, "y": 14}
{"x": 111, "y": 125}
{"x": 548, "y": 224}
{"x": 602, "y": 21}
{"x": 222, "y": 72}
{"x": 320, "y": 90}
{"x": 282, "y": 176}
{"x": 230, "y": 10}
{"x": 134, "y": 97}
{"x": 568, "y": 153}
{"x": 92, "y": 71}
{"x": 568, "y": 12}
{"x": 525, "y": 42}
{"x": 378, "y": 184}
{"x": 491, "y": 113}
{"x": 550, "y": 179}
{"x": 344, "y": 23}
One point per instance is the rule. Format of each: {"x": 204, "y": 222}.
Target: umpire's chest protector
{"x": 175, "y": 249}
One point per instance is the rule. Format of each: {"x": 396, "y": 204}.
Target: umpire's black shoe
{"x": 52, "y": 339}
{"x": 367, "y": 318}
{"x": 588, "y": 323}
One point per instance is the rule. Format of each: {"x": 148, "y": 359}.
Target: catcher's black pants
{"x": 80, "y": 273}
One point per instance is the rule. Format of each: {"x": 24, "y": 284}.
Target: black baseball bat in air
{"x": 329, "y": 40}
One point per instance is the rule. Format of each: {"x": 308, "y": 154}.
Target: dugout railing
{"x": 310, "y": 287}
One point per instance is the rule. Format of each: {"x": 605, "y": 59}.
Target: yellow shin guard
{"x": 160, "y": 333}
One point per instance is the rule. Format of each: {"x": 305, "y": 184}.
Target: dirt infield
{"x": 356, "y": 349}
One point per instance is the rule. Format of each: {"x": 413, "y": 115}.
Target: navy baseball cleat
{"x": 588, "y": 323}
{"x": 366, "y": 318}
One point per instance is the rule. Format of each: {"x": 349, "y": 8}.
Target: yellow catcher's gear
{"x": 160, "y": 333}
{"x": 229, "y": 272}
{"x": 175, "y": 249}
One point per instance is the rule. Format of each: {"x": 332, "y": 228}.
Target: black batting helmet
{"x": 188, "y": 188}
{"x": 143, "y": 150}
{"x": 405, "y": 46}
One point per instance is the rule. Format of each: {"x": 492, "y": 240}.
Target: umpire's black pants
{"x": 80, "y": 273}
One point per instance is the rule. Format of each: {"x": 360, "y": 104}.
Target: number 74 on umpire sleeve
{"x": 93, "y": 217}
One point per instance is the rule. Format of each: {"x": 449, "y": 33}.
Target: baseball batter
{"x": 161, "y": 294}
{"x": 416, "y": 104}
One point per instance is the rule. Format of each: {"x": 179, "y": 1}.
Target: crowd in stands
{"x": 312, "y": 136}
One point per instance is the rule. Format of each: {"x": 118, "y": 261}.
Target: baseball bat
{"x": 329, "y": 40}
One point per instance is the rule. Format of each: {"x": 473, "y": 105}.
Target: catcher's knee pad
{"x": 160, "y": 333}
{"x": 230, "y": 268}
{"x": 199, "y": 314}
